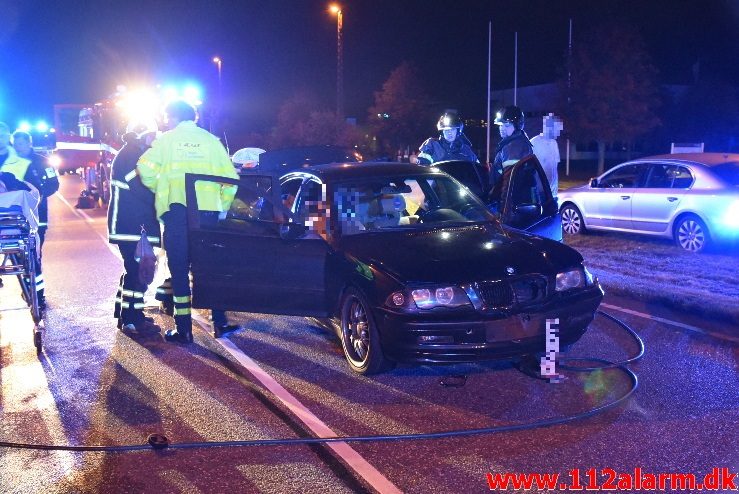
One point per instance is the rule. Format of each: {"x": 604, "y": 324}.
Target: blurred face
{"x": 506, "y": 129}
{"x": 450, "y": 134}
{"x": 22, "y": 146}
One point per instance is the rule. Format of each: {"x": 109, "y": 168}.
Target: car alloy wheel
{"x": 691, "y": 234}
{"x": 572, "y": 222}
{"x": 359, "y": 336}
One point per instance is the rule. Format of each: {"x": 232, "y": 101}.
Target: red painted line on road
{"x": 670, "y": 322}
{"x": 353, "y": 459}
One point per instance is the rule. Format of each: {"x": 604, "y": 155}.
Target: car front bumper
{"x": 471, "y": 336}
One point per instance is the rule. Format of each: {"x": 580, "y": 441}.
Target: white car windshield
{"x": 395, "y": 202}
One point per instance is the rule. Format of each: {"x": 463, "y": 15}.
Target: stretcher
{"x": 18, "y": 249}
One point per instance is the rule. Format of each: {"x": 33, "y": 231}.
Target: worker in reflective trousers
{"x": 132, "y": 208}
{"x": 185, "y": 148}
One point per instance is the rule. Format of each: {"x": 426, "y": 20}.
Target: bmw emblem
{"x": 510, "y": 270}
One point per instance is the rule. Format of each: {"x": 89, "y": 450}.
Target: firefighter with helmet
{"x": 514, "y": 144}
{"x": 185, "y": 148}
{"x": 132, "y": 208}
{"x": 451, "y": 144}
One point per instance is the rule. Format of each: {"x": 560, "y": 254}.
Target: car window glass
{"x": 659, "y": 176}
{"x": 289, "y": 190}
{"x": 624, "y": 176}
{"x": 252, "y": 200}
{"x": 528, "y": 186}
{"x": 680, "y": 177}
{"x": 408, "y": 202}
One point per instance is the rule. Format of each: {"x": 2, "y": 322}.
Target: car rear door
{"x": 527, "y": 201}
{"x": 654, "y": 205}
{"x": 245, "y": 262}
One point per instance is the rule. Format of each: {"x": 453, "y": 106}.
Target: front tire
{"x": 692, "y": 234}
{"x": 360, "y": 338}
{"x": 572, "y": 221}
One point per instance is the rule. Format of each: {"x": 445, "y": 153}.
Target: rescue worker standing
{"x": 185, "y": 148}
{"x": 451, "y": 144}
{"x": 514, "y": 144}
{"x": 132, "y": 208}
{"x": 40, "y": 175}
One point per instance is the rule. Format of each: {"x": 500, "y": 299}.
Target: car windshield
{"x": 381, "y": 203}
{"x": 728, "y": 172}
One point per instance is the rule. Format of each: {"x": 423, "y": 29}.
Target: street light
{"x": 219, "y": 65}
{"x": 336, "y": 9}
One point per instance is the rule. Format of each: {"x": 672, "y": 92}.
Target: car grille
{"x": 507, "y": 293}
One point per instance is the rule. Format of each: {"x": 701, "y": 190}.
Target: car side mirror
{"x": 593, "y": 183}
{"x": 528, "y": 210}
{"x": 292, "y": 231}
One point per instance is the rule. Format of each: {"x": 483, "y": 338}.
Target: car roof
{"x": 340, "y": 171}
{"x": 706, "y": 159}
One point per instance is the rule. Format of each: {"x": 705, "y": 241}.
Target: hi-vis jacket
{"x": 187, "y": 149}
{"x": 16, "y": 165}
{"x": 131, "y": 204}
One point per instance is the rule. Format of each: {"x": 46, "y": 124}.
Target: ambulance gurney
{"x": 18, "y": 242}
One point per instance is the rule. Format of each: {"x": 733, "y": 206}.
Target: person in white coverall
{"x": 546, "y": 149}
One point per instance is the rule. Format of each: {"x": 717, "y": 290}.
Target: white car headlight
{"x": 567, "y": 280}
{"x": 448, "y": 296}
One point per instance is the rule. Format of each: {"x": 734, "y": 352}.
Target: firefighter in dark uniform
{"x": 451, "y": 144}
{"x": 40, "y": 175}
{"x": 131, "y": 208}
{"x": 185, "y": 148}
{"x": 514, "y": 144}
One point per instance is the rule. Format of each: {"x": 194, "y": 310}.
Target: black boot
{"x": 177, "y": 336}
{"x": 219, "y": 331}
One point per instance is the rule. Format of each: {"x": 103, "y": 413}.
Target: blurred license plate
{"x": 514, "y": 328}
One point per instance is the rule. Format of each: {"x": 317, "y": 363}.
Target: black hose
{"x": 158, "y": 442}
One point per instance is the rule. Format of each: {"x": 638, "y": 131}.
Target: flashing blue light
{"x": 24, "y": 126}
{"x": 42, "y": 126}
{"x": 191, "y": 93}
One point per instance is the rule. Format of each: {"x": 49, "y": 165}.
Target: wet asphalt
{"x": 93, "y": 385}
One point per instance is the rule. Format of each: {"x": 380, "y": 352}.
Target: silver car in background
{"x": 692, "y": 198}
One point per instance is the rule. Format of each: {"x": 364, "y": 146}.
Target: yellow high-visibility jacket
{"x": 187, "y": 149}
{"x": 16, "y": 165}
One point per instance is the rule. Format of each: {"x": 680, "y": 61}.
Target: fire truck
{"x": 89, "y": 136}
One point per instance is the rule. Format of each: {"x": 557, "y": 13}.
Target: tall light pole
{"x": 336, "y": 9}
{"x": 219, "y": 65}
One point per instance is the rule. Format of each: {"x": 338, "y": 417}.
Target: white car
{"x": 692, "y": 198}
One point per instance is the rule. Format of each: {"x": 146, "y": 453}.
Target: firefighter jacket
{"x": 45, "y": 179}
{"x": 508, "y": 152}
{"x": 439, "y": 149}
{"x": 187, "y": 149}
{"x": 131, "y": 205}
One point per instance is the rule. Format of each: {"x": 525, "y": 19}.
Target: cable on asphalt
{"x": 159, "y": 442}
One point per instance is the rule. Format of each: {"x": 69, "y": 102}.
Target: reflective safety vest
{"x": 187, "y": 149}
{"x": 16, "y": 165}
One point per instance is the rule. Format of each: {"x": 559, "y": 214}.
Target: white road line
{"x": 681, "y": 325}
{"x": 369, "y": 473}
{"x": 88, "y": 219}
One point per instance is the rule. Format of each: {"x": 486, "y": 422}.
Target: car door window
{"x": 680, "y": 177}
{"x": 659, "y": 177}
{"x": 253, "y": 200}
{"x": 627, "y": 176}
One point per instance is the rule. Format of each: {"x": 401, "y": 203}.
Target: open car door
{"x": 524, "y": 200}
{"x": 244, "y": 261}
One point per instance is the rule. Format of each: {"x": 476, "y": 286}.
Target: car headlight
{"x": 567, "y": 280}
{"x": 447, "y": 296}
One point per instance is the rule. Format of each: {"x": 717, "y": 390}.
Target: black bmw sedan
{"x": 403, "y": 261}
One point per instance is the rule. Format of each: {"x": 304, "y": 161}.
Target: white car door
{"x": 654, "y": 205}
{"x": 608, "y": 205}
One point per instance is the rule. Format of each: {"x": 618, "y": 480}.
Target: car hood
{"x": 458, "y": 254}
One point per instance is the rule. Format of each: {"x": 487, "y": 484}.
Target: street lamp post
{"x": 219, "y": 65}
{"x": 335, "y": 9}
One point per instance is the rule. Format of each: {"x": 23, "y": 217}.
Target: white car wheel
{"x": 691, "y": 234}
{"x": 572, "y": 222}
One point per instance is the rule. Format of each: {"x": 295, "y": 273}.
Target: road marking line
{"x": 670, "y": 322}
{"x": 89, "y": 219}
{"x": 353, "y": 459}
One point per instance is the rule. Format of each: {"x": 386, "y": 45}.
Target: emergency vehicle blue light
{"x": 42, "y": 126}
{"x": 191, "y": 93}
{"x": 24, "y": 126}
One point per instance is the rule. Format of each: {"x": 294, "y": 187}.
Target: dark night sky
{"x": 54, "y": 51}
